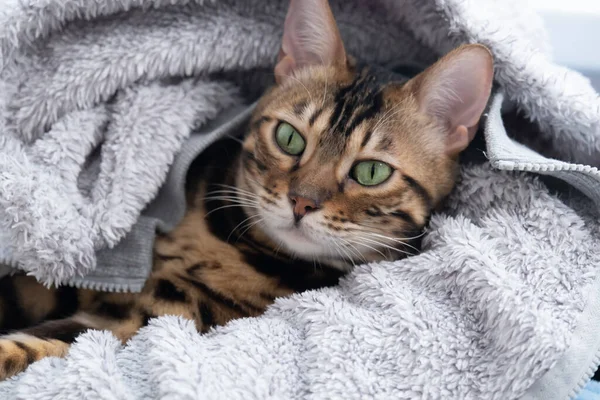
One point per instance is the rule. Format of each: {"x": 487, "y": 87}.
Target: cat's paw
{"x": 18, "y": 351}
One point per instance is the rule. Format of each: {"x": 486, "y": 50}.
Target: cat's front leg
{"x": 50, "y": 339}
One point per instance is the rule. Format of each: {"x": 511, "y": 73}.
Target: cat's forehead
{"x": 351, "y": 105}
{"x": 339, "y": 107}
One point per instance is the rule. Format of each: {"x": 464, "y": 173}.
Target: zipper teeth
{"x": 90, "y": 285}
{"x": 106, "y": 286}
{"x": 586, "y": 377}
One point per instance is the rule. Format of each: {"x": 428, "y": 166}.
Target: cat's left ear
{"x": 310, "y": 37}
{"x": 455, "y": 91}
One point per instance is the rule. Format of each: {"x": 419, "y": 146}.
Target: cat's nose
{"x": 302, "y": 206}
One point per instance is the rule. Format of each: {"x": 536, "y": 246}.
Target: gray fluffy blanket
{"x": 96, "y": 99}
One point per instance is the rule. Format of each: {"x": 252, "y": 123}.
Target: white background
{"x": 574, "y": 28}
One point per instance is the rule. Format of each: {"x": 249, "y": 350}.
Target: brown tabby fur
{"x": 237, "y": 248}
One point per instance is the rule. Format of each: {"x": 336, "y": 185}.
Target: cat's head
{"x": 341, "y": 168}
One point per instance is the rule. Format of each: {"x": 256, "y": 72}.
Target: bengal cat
{"x": 335, "y": 169}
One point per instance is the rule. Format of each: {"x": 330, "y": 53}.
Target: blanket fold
{"x": 104, "y": 103}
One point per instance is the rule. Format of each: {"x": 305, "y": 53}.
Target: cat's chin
{"x": 301, "y": 242}
{"x": 298, "y": 241}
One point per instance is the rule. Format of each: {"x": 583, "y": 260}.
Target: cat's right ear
{"x": 310, "y": 37}
{"x": 455, "y": 91}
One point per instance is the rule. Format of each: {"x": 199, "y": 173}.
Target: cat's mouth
{"x": 300, "y": 239}
{"x": 305, "y": 241}
{"x": 306, "y": 238}
{"x": 296, "y": 231}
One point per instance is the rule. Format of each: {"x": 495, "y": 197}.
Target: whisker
{"x": 300, "y": 82}
{"x": 337, "y": 250}
{"x": 326, "y": 84}
{"x": 383, "y": 117}
{"x": 241, "y": 223}
{"x": 236, "y": 139}
{"x": 232, "y": 192}
{"x": 399, "y": 241}
{"x": 355, "y": 249}
{"x": 370, "y": 247}
{"x": 375, "y": 226}
{"x": 257, "y": 183}
{"x": 341, "y": 249}
{"x": 232, "y": 198}
{"x": 231, "y": 195}
{"x": 233, "y": 201}
{"x": 319, "y": 262}
{"x": 252, "y": 183}
{"x": 375, "y": 242}
{"x": 229, "y": 206}
{"x": 276, "y": 251}
{"x": 237, "y": 189}
{"x": 249, "y": 226}
{"x": 387, "y": 118}
{"x": 347, "y": 250}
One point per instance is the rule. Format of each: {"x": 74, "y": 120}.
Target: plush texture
{"x": 501, "y": 303}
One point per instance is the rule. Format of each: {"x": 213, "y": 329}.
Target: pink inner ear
{"x": 310, "y": 37}
{"x": 456, "y": 91}
{"x": 459, "y": 138}
{"x": 284, "y": 68}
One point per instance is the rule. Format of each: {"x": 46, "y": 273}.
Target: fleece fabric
{"x": 97, "y": 98}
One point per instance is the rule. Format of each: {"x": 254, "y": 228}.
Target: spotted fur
{"x": 240, "y": 246}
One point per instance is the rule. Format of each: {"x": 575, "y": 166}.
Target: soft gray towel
{"x": 502, "y": 303}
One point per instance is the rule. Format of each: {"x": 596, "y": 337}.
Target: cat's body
{"x": 203, "y": 270}
{"x": 335, "y": 169}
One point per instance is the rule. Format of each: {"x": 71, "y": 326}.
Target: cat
{"x": 335, "y": 169}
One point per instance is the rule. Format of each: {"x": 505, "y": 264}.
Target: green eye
{"x": 289, "y": 139}
{"x": 371, "y": 173}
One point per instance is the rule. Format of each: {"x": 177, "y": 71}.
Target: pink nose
{"x": 302, "y": 206}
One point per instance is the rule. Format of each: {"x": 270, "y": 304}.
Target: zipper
{"x": 586, "y": 377}
{"x": 83, "y": 283}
